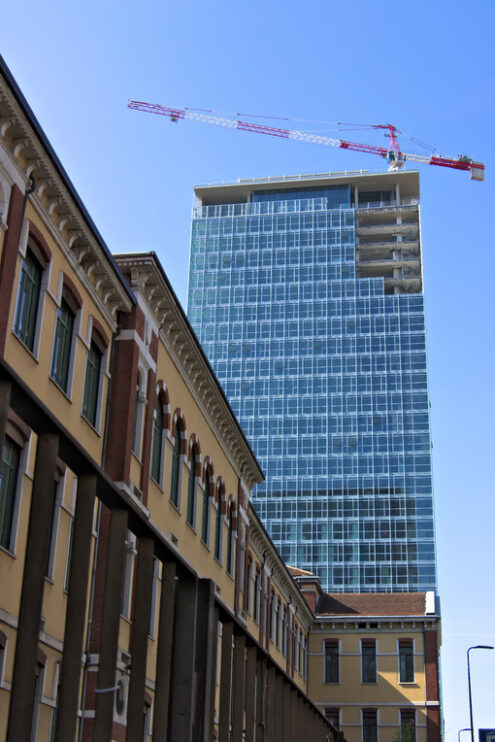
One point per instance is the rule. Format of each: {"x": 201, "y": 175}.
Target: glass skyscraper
{"x": 306, "y": 293}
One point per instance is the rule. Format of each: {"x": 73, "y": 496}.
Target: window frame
{"x": 406, "y": 644}
{"x": 369, "y": 664}
{"x": 23, "y": 331}
{"x": 369, "y": 714}
{"x": 156, "y": 464}
{"x": 175, "y": 470}
{"x": 205, "y": 510}
{"x": 63, "y": 346}
{"x": 192, "y": 488}
{"x": 331, "y": 661}
{"x": 229, "y": 557}
{"x": 9, "y": 499}
{"x": 407, "y": 721}
{"x": 90, "y": 409}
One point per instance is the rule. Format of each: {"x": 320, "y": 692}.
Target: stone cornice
{"x": 147, "y": 278}
{"x": 56, "y": 201}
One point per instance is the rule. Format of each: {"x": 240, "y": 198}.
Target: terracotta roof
{"x": 371, "y": 604}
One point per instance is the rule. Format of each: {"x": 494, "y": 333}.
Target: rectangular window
{"x": 256, "y": 596}
{"x": 58, "y": 490}
{"x": 8, "y": 486}
{"x": 406, "y": 661}
{"x": 407, "y": 725}
{"x": 28, "y": 300}
{"x": 92, "y": 384}
{"x": 368, "y": 661}
{"x": 331, "y": 662}
{"x": 62, "y": 345}
{"x": 370, "y": 732}
{"x": 332, "y": 714}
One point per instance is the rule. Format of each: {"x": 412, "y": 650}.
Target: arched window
{"x": 230, "y": 540}
{"x": 218, "y": 529}
{"x": 205, "y": 515}
{"x": 156, "y": 453}
{"x": 174, "y": 480}
{"x": 191, "y": 491}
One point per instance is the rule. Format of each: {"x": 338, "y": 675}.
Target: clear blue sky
{"x": 427, "y": 67}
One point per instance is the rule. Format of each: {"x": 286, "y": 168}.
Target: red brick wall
{"x": 9, "y": 257}
{"x": 121, "y": 410}
{"x": 431, "y": 665}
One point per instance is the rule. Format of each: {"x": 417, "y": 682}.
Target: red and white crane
{"x": 393, "y": 154}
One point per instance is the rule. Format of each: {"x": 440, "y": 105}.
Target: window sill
{"x": 191, "y": 527}
{"x": 175, "y": 507}
{"x": 56, "y": 385}
{"x": 205, "y": 545}
{"x": 407, "y": 682}
{"x": 157, "y": 484}
{"x": 90, "y": 424}
{"x": 7, "y": 551}
{"x": 26, "y": 348}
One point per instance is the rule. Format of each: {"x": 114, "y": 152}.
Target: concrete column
{"x": 225, "y": 682}
{"x": 287, "y": 731}
{"x": 5, "y": 390}
{"x": 114, "y": 574}
{"x": 271, "y": 724}
{"x": 139, "y": 639}
{"x": 279, "y": 707}
{"x": 205, "y": 662}
{"x": 183, "y": 660}
{"x": 164, "y": 653}
{"x": 250, "y": 692}
{"x": 28, "y": 628}
{"x": 261, "y": 700}
{"x": 75, "y": 617}
{"x": 239, "y": 691}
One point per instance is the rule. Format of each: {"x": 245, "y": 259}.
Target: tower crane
{"x": 393, "y": 154}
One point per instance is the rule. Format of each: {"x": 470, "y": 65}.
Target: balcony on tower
{"x": 388, "y": 242}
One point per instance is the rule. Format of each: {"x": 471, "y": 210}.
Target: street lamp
{"x": 478, "y": 646}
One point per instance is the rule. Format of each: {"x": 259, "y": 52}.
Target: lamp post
{"x": 478, "y": 646}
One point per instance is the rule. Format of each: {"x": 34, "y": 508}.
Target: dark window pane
{"x": 407, "y": 725}
{"x": 406, "y": 663}
{"x": 8, "y": 485}
{"x": 331, "y": 662}
{"x": 230, "y": 539}
{"x": 28, "y": 301}
{"x": 218, "y": 528}
{"x": 62, "y": 345}
{"x": 191, "y": 492}
{"x": 368, "y": 661}
{"x": 369, "y": 726}
{"x": 156, "y": 459}
{"x": 92, "y": 383}
{"x": 174, "y": 481}
{"x": 205, "y": 515}
{"x": 333, "y": 716}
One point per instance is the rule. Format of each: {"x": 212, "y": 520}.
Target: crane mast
{"x": 393, "y": 154}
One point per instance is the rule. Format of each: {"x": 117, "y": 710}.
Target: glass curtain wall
{"x": 327, "y": 375}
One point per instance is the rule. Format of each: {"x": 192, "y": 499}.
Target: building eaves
{"x": 61, "y": 172}
{"x": 140, "y": 259}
